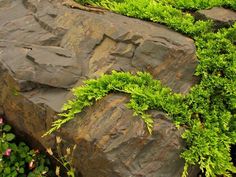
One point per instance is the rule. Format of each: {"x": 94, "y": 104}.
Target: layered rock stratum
{"x": 46, "y": 49}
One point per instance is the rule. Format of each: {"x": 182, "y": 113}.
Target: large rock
{"x": 46, "y": 49}
{"x": 117, "y": 143}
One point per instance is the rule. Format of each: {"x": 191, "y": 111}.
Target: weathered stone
{"x": 222, "y": 17}
{"x": 145, "y": 46}
{"x": 115, "y": 141}
{"x": 51, "y": 66}
{"x": 46, "y": 49}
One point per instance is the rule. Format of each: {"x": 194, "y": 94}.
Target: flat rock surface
{"x": 50, "y": 66}
{"x": 221, "y": 16}
{"x": 46, "y": 49}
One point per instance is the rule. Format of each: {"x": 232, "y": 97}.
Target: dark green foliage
{"x": 17, "y": 160}
{"x": 208, "y": 111}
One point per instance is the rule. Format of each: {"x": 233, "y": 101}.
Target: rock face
{"x": 115, "y": 141}
{"x": 46, "y": 49}
{"x": 222, "y": 17}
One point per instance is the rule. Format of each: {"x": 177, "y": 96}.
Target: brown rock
{"x": 221, "y": 16}
{"x": 111, "y": 139}
{"x": 135, "y": 46}
{"x": 46, "y": 49}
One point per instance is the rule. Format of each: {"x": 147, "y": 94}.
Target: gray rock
{"x": 141, "y": 46}
{"x": 47, "y": 48}
{"x": 221, "y": 16}
{"x": 50, "y": 66}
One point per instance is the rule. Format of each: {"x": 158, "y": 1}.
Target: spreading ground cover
{"x": 200, "y": 4}
{"x": 17, "y": 159}
{"x": 208, "y": 111}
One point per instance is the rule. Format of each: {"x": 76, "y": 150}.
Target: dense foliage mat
{"x": 17, "y": 159}
{"x": 208, "y": 111}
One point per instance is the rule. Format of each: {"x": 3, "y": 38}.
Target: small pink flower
{"x": 1, "y": 120}
{"x": 32, "y": 164}
{"x": 36, "y": 151}
{"x": 7, "y": 152}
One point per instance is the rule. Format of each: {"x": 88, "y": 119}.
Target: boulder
{"x": 116, "y": 142}
{"x": 46, "y": 49}
{"x": 221, "y": 17}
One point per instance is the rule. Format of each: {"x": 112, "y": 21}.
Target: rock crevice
{"x": 46, "y": 49}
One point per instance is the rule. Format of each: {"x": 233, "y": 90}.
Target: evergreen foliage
{"x": 208, "y": 111}
{"x": 199, "y": 4}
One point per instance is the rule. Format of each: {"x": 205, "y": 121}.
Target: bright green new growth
{"x": 210, "y": 132}
{"x": 208, "y": 111}
{"x": 146, "y": 93}
{"x": 157, "y": 12}
{"x": 199, "y": 4}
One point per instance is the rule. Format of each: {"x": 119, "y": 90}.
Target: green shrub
{"x": 208, "y": 111}
{"x": 199, "y": 4}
